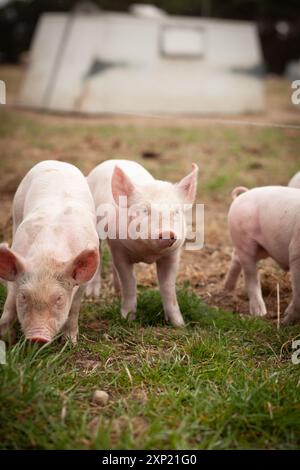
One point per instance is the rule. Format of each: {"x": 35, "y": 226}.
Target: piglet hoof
{"x": 177, "y": 321}
{"x": 73, "y": 339}
{"x": 68, "y": 339}
{"x": 69, "y": 336}
{"x": 258, "y": 309}
{"x": 290, "y": 319}
{"x": 291, "y": 315}
{"x": 129, "y": 315}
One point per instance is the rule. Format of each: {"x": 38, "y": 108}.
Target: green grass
{"x": 222, "y": 382}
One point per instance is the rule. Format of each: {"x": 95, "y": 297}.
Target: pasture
{"x": 226, "y": 381}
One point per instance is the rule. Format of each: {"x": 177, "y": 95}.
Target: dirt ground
{"x": 21, "y": 145}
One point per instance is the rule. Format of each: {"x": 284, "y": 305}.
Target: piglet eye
{"x": 59, "y": 299}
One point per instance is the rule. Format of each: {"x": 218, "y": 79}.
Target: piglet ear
{"x": 121, "y": 184}
{"x": 188, "y": 185}
{"x": 11, "y": 264}
{"x": 84, "y": 266}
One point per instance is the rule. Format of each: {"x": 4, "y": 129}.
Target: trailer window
{"x": 182, "y": 42}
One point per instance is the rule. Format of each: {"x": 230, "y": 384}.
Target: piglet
{"x": 265, "y": 222}
{"x": 295, "y": 181}
{"x": 55, "y": 251}
{"x": 159, "y": 204}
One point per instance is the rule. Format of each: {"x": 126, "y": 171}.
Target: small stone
{"x": 100, "y": 397}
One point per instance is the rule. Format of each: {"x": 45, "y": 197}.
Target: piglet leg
{"x": 9, "y": 314}
{"x": 257, "y": 305}
{"x": 70, "y": 329}
{"x": 116, "y": 280}
{"x": 233, "y": 273}
{"x": 166, "y": 273}
{"x": 292, "y": 313}
{"x": 124, "y": 270}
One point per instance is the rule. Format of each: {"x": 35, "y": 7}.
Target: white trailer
{"x": 135, "y": 63}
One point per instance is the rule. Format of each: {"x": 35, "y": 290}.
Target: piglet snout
{"x": 39, "y": 339}
{"x": 38, "y": 336}
{"x": 166, "y": 239}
